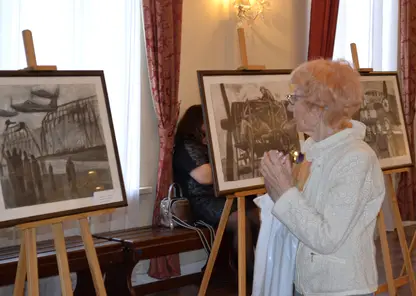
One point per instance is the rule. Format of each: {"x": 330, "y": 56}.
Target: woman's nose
{"x": 290, "y": 108}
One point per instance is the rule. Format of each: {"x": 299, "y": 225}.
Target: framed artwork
{"x": 58, "y": 150}
{"x": 382, "y": 113}
{"x": 246, "y": 115}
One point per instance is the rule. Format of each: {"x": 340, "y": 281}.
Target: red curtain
{"x": 407, "y": 185}
{"x": 163, "y": 26}
{"x": 323, "y": 25}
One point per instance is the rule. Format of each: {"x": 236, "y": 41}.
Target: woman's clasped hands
{"x": 276, "y": 169}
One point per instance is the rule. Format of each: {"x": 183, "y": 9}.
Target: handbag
{"x": 175, "y": 211}
{"x": 174, "y": 208}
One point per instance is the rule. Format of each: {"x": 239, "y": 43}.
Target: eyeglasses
{"x": 292, "y": 98}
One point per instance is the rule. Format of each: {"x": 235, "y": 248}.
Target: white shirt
{"x": 334, "y": 217}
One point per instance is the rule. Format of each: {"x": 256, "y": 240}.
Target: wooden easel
{"x": 392, "y": 283}
{"x": 241, "y": 206}
{"x": 28, "y": 264}
{"x": 243, "y": 53}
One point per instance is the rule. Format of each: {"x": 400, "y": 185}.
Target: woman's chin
{"x": 300, "y": 129}
{"x": 303, "y": 131}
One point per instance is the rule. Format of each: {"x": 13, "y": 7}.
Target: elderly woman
{"x": 330, "y": 201}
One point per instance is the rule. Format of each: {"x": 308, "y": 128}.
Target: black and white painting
{"x": 381, "y": 111}
{"x": 57, "y": 147}
{"x": 246, "y": 115}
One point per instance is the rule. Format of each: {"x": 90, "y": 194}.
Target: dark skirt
{"x": 209, "y": 208}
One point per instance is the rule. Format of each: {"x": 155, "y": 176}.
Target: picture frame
{"x": 382, "y": 113}
{"x": 237, "y": 108}
{"x": 58, "y": 152}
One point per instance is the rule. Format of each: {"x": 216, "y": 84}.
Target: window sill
{"x": 145, "y": 190}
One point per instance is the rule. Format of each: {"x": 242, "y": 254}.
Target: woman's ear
{"x": 317, "y": 112}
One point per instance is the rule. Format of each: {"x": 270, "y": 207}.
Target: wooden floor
{"x": 224, "y": 287}
{"x": 215, "y": 289}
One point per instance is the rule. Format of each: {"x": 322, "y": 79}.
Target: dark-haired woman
{"x": 192, "y": 170}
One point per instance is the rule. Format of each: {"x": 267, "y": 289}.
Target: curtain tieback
{"x": 166, "y": 136}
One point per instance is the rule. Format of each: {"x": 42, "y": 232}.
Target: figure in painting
{"x": 51, "y": 178}
{"x": 390, "y": 137}
{"x": 28, "y": 176}
{"x": 18, "y": 163}
{"x": 390, "y": 106}
{"x": 37, "y": 177}
{"x": 12, "y": 176}
{"x": 253, "y": 128}
{"x": 267, "y": 95}
{"x": 71, "y": 176}
{"x": 381, "y": 140}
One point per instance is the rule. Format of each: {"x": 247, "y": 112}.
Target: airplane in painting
{"x": 30, "y": 106}
{"x": 8, "y": 113}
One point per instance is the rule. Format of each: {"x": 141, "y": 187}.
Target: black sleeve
{"x": 189, "y": 155}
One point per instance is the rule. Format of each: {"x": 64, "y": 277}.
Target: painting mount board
{"x": 392, "y": 283}
{"x": 382, "y": 113}
{"x": 27, "y": 264}
{"x": 57, "y": 158}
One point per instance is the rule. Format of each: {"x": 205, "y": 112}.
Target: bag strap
{"x": 205, "y": 243}
{"x": 172, "y": 187}
{"x": 176, "y": 187}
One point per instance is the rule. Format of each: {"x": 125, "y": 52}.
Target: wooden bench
{"x": 118, "y": 252}
{"x": 108, "y": 253}
{"x": 146, "y": 243}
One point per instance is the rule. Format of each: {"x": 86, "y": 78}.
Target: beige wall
{"x": 209, "y": 40}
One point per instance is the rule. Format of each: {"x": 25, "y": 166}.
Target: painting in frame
{"x": 246, "y": 114}
{"x": 58, "y": 149}
{"x": 382, "y": 113}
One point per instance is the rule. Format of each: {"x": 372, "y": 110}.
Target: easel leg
{"x": 412, "y": 245}
{"x": 62, "y": 259}
{"x": 92, "y": 257}
{"x": 400, "y": 232}
{"x": 32, "y": 261}
{"x": 19, "y": 283}
{"x": 215, "y": 247}
{"x": 242, "y": 247}
{"x": 386, "y": 254}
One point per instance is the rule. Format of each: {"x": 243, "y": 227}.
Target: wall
{"x": 209, "y": 41}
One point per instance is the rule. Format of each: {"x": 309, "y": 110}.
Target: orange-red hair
{"x": 333, "y": 85}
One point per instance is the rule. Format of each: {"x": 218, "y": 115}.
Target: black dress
{"x": 188, "y": 155}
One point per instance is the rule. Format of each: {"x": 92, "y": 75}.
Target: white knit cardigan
{"x": 334, "y": 217}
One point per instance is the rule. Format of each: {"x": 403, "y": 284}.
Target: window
{"x": 373, "y": 26}
{"x": 87, "y": 35}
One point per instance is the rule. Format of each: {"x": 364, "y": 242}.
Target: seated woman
{"x": 192, "y": 171}
{"x": 332, "y": 204}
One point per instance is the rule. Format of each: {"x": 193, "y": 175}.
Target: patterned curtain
{"x": 323, "y": 25}
{"x": 407, "y": 185}
{"x": 163, "y": 25}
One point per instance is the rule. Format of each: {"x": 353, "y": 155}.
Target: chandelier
{"x": 249, "y": 10}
